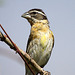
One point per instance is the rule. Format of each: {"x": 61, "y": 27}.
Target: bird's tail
{"x": 28, "y": 72}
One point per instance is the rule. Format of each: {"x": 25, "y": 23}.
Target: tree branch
{"x": 4, "y": 38}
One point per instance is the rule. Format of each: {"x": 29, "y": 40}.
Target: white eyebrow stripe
{"x": 38, "y": 12}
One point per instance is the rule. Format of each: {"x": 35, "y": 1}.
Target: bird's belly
{"x": 40, "y": 54}
{"x": 40, "y": 49}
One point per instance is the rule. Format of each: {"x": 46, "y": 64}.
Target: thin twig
{"x": 17, "y": 50}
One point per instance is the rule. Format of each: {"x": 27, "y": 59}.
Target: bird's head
{"x": 35, "y": 15}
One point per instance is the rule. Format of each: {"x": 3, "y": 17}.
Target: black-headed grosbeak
{"x": 41, "y": 39}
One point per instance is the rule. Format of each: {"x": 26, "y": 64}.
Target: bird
{"x": 41, "y": 38}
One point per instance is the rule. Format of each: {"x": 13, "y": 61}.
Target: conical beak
{"x": 26, "y": 15}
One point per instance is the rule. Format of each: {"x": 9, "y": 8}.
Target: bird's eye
{"x": 34, "y": 13}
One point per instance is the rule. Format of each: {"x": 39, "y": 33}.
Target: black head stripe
{"x": 37, "y": 14}
{"x": 37, "y": 10}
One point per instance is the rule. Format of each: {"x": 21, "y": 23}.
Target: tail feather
{"x": 28, "y": 72}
